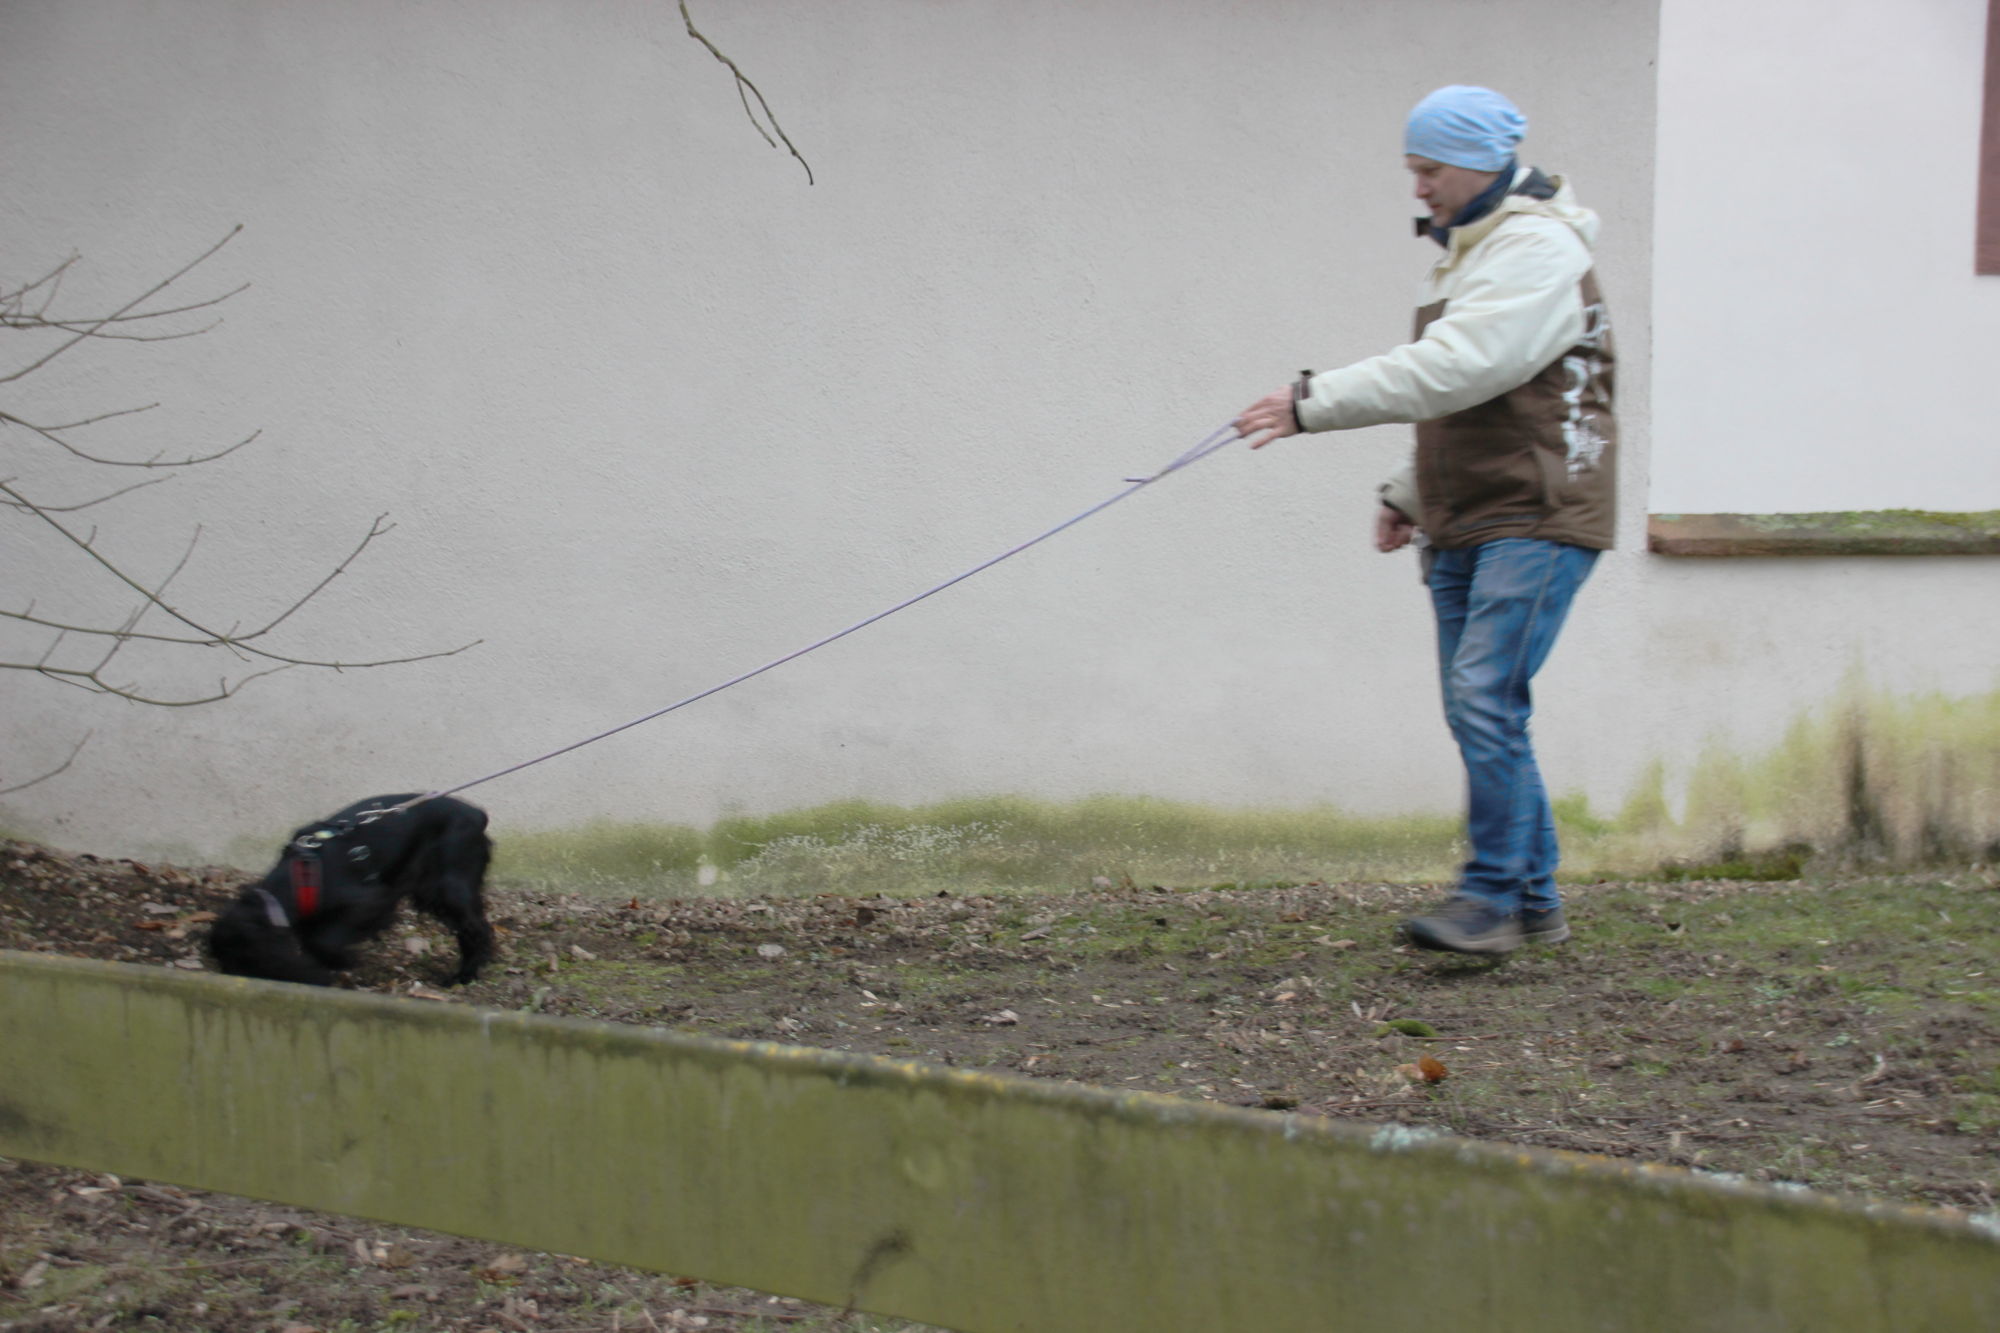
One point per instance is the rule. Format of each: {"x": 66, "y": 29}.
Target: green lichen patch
{"x": 1866, "y": 780}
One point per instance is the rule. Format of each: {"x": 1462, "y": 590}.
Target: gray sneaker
{"x": 1466, "y": 925}
{"x": 1547, "y": 927}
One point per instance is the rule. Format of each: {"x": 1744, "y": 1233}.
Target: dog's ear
{"x": 250, "y": 939}
{"x": 258, "y": 900}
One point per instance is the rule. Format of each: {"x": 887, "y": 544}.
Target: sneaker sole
{"x": 1556, "y": 936}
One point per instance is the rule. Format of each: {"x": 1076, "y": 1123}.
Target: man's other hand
{"x": 1393, "y": 528}
{"x": 1269, "y": 418}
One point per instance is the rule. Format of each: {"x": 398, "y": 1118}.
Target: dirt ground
{"x": 1841, "y": 1033}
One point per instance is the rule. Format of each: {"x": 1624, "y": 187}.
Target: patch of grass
{"x": 979, "y": 845}
{"x": 64, "y": 1284}
{"x": 1129, "y": 836}
{"x": 1574, "y": 819}
{"x": 1976, "y": 1108}
{"x": 605, "y": 857}
{"x": 1781, "y": 864}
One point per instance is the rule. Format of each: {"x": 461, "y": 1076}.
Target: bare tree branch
{"x": 88, "y": 547}
{"x": 79, "y": 424}
{"x": 15, "y": 313}
{"x": 81, "y": 652}
{"x": 53, "y": 434}
{"x": 83, "y": 504}
{"x": 11, "y": 302}
{"x": 205, "y": 636}
{"x": 231, "y": 641}
{"x": 90, "y": 327}
{"x": 74, "y": 326}
{"x": 744, "y": 91}
{"x": 57, "y": 771}
{"x": 89, "y": 679}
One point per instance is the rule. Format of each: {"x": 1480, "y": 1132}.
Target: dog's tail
{"x": 246, "y": 942}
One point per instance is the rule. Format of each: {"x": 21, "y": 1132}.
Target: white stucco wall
{"x": 1821, "y": 342}
{"x": 649, "y": 410}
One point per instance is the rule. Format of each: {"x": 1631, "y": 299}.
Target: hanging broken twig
{"x": 744, "y": 90}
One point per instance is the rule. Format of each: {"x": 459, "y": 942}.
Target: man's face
{"x": 1446, "y": 189}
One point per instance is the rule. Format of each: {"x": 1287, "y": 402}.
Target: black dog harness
{"x": 308, "y": 876}
{"x": 306, "y": 884}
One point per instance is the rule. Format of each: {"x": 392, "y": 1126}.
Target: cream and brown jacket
{"x": 1509, "y": 380}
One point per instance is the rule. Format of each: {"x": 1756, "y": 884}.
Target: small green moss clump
{"x": 1409, "y": 1027}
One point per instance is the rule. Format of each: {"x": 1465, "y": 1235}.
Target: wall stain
{"x": 886, "y": 1248}
{"x": 1865, "y": 779}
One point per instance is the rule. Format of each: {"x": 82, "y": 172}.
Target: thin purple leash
{"x": 1219, "y": 439}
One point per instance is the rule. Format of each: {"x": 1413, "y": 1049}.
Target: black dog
{"x": 339, "y": 882}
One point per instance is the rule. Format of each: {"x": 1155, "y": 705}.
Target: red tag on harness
{"x": 305, "y": 885}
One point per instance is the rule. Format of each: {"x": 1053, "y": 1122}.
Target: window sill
{"x": 1871, "y": 532}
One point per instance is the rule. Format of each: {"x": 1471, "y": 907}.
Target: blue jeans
{"x": 1499, "y": 606}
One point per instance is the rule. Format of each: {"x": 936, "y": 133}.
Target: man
{"x": 1509, "y": 380}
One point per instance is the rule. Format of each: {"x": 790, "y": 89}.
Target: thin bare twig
{"x": 776, "y": 1316}
{"x": 123, "y": 635}
{"x": 241, "y": 643}
{"x": 88, "y": 680}
{"x": 375, "y": 529}
{"x": 40, "y": 318}
{"x": 83, "y": 504}
{"x": 14, "y": 302}
{"x": 89, "y": 329}
{"x": 74, "y": 751}
{"x": 30, "y": 322}
{"x": 59, "y": 427}
{"x": 219, "y": 641}
{"x": 213, "y": 637}
{"x": 1335, "y": 1108}
{"x": 86, "y": 545}
{"x": 29, "y": 308}
{"x": 53, "y": 434}
{"x": 744, "y": 91}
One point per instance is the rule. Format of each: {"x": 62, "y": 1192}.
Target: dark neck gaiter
{"x": 1482, "y": 203}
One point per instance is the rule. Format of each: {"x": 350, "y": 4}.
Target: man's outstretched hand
{"x": 1269, "y": 418}
{"x": 1393, "y": 528}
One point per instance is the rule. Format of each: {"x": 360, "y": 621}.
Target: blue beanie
{"x": 1462, "y": 126}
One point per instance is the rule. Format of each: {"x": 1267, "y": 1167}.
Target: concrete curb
{"x": 978, "y": 1202}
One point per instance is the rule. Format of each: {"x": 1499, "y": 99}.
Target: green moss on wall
{"x": 1869, "y": 779}
{"x": 1836, "y": 533}
{"x": 605, "y": 848}
{"x": 978, "y": 844}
